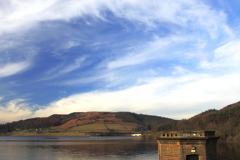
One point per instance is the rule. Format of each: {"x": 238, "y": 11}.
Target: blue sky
{"x": 168, "y": 58}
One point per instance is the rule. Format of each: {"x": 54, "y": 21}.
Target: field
{"x": 102, "y": 127}
{"x": 42, "y": 131}
{"x": 44, "y": 134}
{"x": 83, "y": 130}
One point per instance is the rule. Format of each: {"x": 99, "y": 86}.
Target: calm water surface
{"x": 90, "y": 148}
{"x": 80, "y": 148}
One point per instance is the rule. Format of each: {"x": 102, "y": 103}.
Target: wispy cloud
{"x": 184, "y": 15}
{"x": 20, "y": 14}
{"x": 155, "y": 49}
{"x": 75, "y": 65}
{"x": 89, "y": 79}
{"x": 71, "y": 44}
{"x": 6, "y": 44}
{"x": 150, "y": 51}
{"x": 14, "y": 110}
{"x": 179, "y": 70}
{"x": 63, "y": 69}
{"x": 13, "y": 68}
{"x": 226, "y": 56}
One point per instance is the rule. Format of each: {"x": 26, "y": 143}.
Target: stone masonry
{"x": 194, "y": 145}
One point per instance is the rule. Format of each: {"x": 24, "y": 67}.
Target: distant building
{"x": 181, "y": 145}
{"x": 136, "y": 135}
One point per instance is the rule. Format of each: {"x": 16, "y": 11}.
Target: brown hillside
{"x": 93, "y": 117}
{"x": 230, "y": 106}
{"x": 226, "y": 122}
{"x": 65, "y": 122}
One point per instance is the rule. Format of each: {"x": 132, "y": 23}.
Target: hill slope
{"x": 121, "y": 122}
{"x": 226, "y": 122}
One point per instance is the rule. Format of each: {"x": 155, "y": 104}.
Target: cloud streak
{"x": 225, "y": 57}
{"x": 13, "y": 68}
{"x": 152, "y": 50}
{"x": 14, "y": 110}
{"x": 21, "y": 14}
{"x": 74, "y": 66}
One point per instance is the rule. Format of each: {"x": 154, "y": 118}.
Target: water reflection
{"x": 228, "y": 151}
{"x": 119, "y": 150}
{"x": 28, "y": 148}
{"x": 131, "y": 149}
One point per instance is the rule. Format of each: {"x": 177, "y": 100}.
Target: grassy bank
{"x": 83, "y": 130}
{"x": 45, "y": 134}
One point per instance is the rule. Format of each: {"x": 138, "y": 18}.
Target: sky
{"x": 169, "y": 58}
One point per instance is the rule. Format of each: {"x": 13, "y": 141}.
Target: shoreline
{"x": 60, "y": 135}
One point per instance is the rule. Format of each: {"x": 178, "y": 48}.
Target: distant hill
{"x": 87, "y": 122}
{"x": 226, "y": 122}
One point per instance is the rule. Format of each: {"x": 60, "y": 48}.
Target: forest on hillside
{"x": 148, "y": 121}
{"x": 226, "y": 123}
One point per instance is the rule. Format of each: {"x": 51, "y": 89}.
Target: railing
{"x": 176, "y": 134}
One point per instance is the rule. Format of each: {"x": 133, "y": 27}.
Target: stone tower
{"x": 181, "y": 145}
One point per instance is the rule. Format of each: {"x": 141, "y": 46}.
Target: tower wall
{"x": 171, "y": 147}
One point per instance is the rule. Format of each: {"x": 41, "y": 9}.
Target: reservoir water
{"x": 90, "y": 148}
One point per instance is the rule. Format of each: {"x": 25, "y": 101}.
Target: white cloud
{"x": 225, "y": 56}
{"x": 76, "y": 65}
{"x": 85, "y": 80}
{"x": 185, "y": 14}
{"x": 71, "y": 44}
{"x": 6, "y": 44}
{"x": 151, "y": 50}
{"x": 63, "y": 69}
{"x": 14, "y": 110}
{"x": 159, "y": 96}
{"x": 109, "y": 78}
{"x": 180, "y": 70}
{"x": 23, "y": 14}
{"x": 20, "y": 15}
{"x": 13, "y": 68}
{"x": 194, "y": 14}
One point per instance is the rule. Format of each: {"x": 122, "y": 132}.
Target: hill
{"x": 86, "y": 123}
{"x": 226, "y": 122}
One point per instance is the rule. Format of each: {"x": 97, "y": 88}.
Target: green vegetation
{"x": 120, "y": 128}
{"x": 84, "y": 130}
{"x": 147, "y": 121}
{"x": 209, "y": 111}
{"x": 39, "y": 130}
{"x": 97, "y": 127}
{"x": 65, "y": 118}
{"x": 102, "y": 127}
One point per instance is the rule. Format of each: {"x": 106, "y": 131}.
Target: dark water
{"x": 86, "y": 148}
{"x": 228, "y": 151}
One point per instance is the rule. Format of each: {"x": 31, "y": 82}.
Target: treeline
{"x": 30, "y": 124}
{"x": 33, "y": 123}
{"x": 149, "y": 122}
{"x": 226, "y": 123}
{"x": 65, "y": 118}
